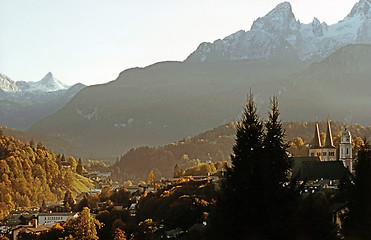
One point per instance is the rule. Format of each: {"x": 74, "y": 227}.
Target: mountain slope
{"x": 162, "y": 103}
{"x": 337, "y": 87}
{"x": 278, "y": 34}
{"x": 32, "y": 174}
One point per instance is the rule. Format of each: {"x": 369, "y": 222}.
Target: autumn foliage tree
{"x": 84, "y": 226}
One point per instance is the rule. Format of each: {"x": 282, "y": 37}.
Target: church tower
{"x": 315, "y": 149}
{"x": 329, "y": 150}
{"x": 345, "y": 149}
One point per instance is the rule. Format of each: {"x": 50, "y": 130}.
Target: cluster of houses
{"x": 32, "y": 222}
{"x": 319, "y": 172}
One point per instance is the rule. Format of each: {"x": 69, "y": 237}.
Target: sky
{"x": 92, "y": 41}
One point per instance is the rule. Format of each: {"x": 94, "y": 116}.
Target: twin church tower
{"x": 328, "y": 152}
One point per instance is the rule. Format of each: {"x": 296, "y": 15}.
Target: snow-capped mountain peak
{"x": 362, "y": 8}
{"x": 48, "y": 84}
{"x": 7, "y": 84}
{"x": 280, "y": 35}
{"x": 279, "y": 19}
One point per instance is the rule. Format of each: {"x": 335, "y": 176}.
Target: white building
{"x": 345, "y": 150}
{"x": 54, "y": 217}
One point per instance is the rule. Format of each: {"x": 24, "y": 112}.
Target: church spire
{"x": 329, "y": 143}
{"x": 316, "y": 140}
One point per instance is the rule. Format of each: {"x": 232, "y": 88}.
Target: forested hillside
{"x": 216, "y": 145}
{"x": 31, "y": 174}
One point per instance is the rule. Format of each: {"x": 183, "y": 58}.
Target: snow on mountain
{"x": 7, "y": 84}
{"x": 48, "y": 84}
{"x": 279, "y": 34}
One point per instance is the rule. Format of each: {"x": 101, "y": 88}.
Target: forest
{"x": 31, "y": 174}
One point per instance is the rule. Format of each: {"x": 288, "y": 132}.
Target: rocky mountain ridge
{"x": 279, "y": 34}
{"x": 24, "y": 103}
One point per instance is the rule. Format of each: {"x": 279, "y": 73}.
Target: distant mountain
{"x": 171, "y": 100}
{"x": 337, "y": 87}
{"x": 48, "y": 84}
{"x": 7, "y": 84}
{"x": 161, "y": 103}
{"x": 24, "y": 103}
{"x": 279, "y": 34}
{"x": 311, "y": 67}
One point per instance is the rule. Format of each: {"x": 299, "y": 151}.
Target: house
{"x": 34, "y": 228}
{"x": 54, "y": 217}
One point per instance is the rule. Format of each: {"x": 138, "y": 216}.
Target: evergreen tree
{"x": 68, "y": 201}
{"x": 237, "y": 213}
{"x": 151, "y": 177}
{"x": 277, "y": 197}
{"x": 63, "y": 158}
{"x": 43, "y": 207}
{"x": 73, "y": 163}
{"x": 59, "y": 161}
{"x": 357, "y": 221}
{"x": 177, "y": 171}
{"x": 79, "y": 167}
{"x": 32, "y": 143}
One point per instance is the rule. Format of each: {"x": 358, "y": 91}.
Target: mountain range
{"x": 280, "y": 35}
{"x": 24, "y": 103}
{"x": 315, "y": 69}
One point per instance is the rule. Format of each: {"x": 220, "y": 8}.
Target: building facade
{"x": 345, "y": 150}
{"x": 326, "y": 151}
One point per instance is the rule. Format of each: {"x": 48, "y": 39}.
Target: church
{"x": 328, "y": 152}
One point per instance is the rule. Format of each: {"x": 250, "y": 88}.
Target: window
{"x": 347, "y": 150}
{"x": 324, "y": 154}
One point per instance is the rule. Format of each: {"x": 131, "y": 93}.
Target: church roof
{"x": 317, "y": 140}
{"x": 329, "y": 143}
{"x": 312, "y": 169}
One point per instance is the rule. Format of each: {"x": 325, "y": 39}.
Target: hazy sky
{"x": 92, "y": 41}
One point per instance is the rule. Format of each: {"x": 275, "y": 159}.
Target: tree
{"x": 63, "y": 158}
{"x": 241, "y": 186}
{"x": 119, "y": 234}
{"x": 43, "y": 207}
{"x": 105, "y": 194}
{"x": 151, "y": 177}
{"x": 73, "y": 163}
{"x": 177, "y": 171}
{"x": 79, "y": 167}
{"x": 356, "y": 221}
{"x": 58, "y": 160}
{"x": 32, "y": 143}
{"x": 83, "y": 227}
{"x": 68, "y": 201}
{"x": 277, "y": 199}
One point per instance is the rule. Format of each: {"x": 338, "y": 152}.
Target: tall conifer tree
{"x": 236, "y": 212}
{"x": 278, "y": 197}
